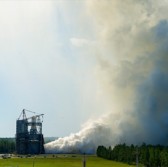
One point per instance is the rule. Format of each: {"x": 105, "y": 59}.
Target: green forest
{"x": 7, "y": 145}
{"x": 148, "y": 155}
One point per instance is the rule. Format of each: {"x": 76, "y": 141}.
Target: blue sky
{"x": 47, "y": 65}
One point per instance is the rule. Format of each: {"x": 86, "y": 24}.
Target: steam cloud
{"x": 133, "y": 69}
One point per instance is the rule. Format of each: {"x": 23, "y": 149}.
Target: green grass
{"x": 60, "y": 161}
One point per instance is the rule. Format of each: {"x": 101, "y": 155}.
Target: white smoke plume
{"x": 132, "y": 65}
{"x": 83, "y": 141}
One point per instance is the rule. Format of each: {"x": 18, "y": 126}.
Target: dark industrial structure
{"x": 29, "y": 137}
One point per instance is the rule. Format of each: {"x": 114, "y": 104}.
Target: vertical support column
{"x": 84, "y": 160}
{"x": 137, "y": 161}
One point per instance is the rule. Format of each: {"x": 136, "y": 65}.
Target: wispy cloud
{"x": 80, "y": 42}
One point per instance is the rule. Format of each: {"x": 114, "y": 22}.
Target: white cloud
{"x": 79, "y": 42}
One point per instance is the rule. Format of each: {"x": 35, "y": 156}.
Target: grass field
{"x": 60, "y": 161}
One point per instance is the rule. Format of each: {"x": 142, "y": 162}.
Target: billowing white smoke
{"x": 132, "y": 64}
{"x": 81, "y": 142}
{"x": 100, "y": 132}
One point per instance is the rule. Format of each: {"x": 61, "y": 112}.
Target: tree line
{"x": 148, "y": 155}
{"x": 7, "y": 145}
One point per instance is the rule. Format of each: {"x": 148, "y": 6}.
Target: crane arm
{"x": 29, "y": 111}
{"x": 23, "y": 113}
{"x": 35, "y": 116}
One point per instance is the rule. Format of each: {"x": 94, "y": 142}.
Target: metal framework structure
{"x": 29, "y": 137}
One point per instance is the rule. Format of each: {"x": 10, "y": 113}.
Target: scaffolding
{"x": 29, "y": 137}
